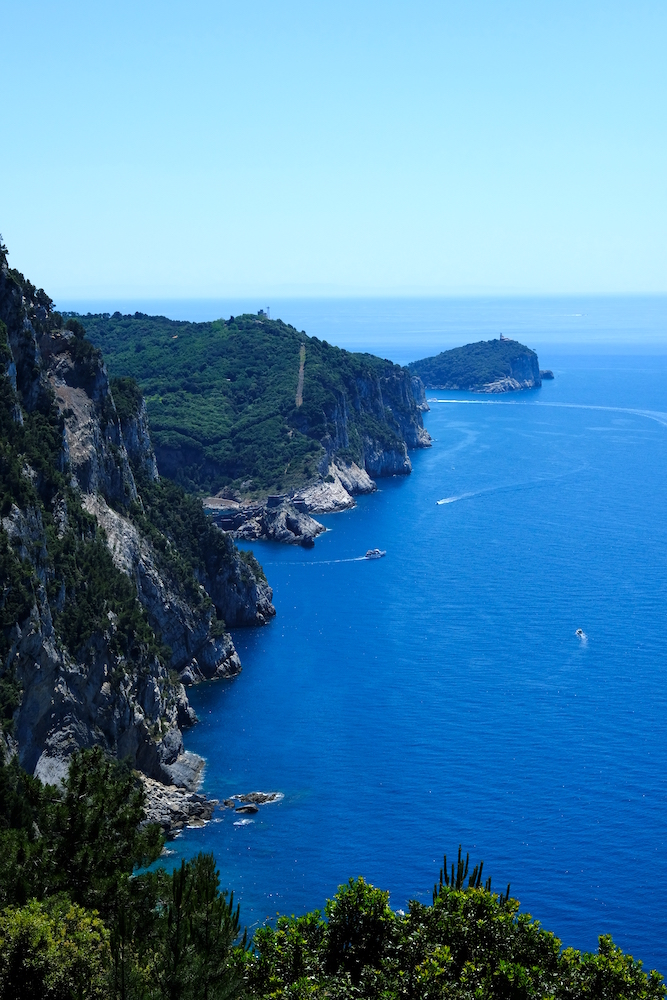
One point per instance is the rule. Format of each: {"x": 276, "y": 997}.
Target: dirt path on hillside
{"x": 299, "y": 388}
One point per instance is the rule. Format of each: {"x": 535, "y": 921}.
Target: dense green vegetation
{"x": 74, "y": 921}
{"x": 221, "y": 397}
{"x": 470, "y": 944}
{"x": 472, "y": 366}
{"x": 81, "y": 917}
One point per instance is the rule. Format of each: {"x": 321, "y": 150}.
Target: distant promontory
{"x": 488, "y": 366}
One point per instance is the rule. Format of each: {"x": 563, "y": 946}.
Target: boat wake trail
{"x": 525, "y": 483}
{"x": 462, "y": 496}
{"x": 318, "y": 562}
{"x": 659, "y": 416}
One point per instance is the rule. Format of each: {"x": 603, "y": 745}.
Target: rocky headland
{"x": 249, "y": 407}
{"x": 287, "y": 518}
{"x": 489, "y": 366}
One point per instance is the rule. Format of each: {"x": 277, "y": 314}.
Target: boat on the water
{"x": 376, "y": 553}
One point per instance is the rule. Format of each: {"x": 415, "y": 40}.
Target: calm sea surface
{"x": 440, "y": 696}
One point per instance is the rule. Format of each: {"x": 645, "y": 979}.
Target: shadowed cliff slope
{"x": 114, "y": 586}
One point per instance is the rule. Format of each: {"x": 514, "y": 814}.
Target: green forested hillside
{"x": 221, "y": 397}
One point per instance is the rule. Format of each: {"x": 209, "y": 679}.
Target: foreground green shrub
{"x": 56, "y": 951}
{"x": 471, "y": 944}
{"x": 359, "y": 925}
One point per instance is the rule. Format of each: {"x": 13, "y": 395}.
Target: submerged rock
{"x": 260, "y": 798}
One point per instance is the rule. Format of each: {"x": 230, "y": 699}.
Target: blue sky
{"x": 220, "y": 149}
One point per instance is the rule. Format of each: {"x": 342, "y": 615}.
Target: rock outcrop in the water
{"x": 173, "y": 807}
{"x": 287, "y": 518}
{"x": 114, "y": 586}
{"x": 276, "y": 519}
{"x": 487, "y": 366}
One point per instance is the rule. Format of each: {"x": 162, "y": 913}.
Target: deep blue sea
{"x": 440, "y": 696}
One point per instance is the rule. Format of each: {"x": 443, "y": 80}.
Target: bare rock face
{"x": 336, "y": 490}
{"x": 78, "y": 703}
{"x": 186, "y": 630}
{"x": 137, "y": 441}
{"x": 508, "y": 384}
{"x": 419, "y": 393}
{"x": 93, "y": 445}
{"x": 325, "y": 497}
{"x": 399, "y": 402}
{"x": 387, "y": 461}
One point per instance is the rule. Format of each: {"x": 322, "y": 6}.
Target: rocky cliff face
{"x": 374, "y": 421}
{"x": 91, "y": 591}
{"x": 524, "y": 374}
{"x": 137, "y": 441}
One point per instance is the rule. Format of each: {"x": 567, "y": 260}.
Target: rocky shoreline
{"x": 276, "y": 519}
{"x": 174, "y": 807}
{"x": 287, "y": 517}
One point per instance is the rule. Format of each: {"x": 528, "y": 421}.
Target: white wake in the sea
{"x": 320, "y": 562}
{"x": 658, "y": 415}
{"x": 462, "y": 496}
{"x": 523, "y": 484}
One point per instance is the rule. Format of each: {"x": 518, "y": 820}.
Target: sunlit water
{"x": 441, "y": 696}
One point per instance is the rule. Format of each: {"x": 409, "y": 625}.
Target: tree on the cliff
{"x": 95, "y": 830}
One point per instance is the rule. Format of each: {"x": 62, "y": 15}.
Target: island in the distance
{"x": 501, "y": 365}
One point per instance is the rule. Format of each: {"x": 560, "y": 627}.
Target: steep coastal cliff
{"x": 488, "y": 366}
{"x": 105, "y": 610}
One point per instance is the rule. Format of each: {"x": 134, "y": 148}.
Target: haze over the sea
{"x": 405, "y": 329}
